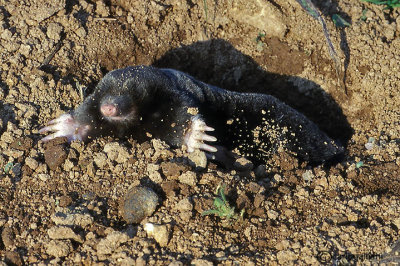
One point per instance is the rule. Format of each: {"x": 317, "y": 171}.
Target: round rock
{"x": 139, "y": 202}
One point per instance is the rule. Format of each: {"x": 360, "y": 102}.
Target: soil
{"x": 60, "y": 203}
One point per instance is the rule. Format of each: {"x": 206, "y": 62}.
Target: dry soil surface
{"x": 60, "y": 203}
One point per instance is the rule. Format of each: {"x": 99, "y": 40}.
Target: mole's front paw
{"x": 195, "y": 137}
{"x": 65, "y": 126}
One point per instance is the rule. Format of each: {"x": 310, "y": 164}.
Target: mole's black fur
{"x": 159, "y": 103}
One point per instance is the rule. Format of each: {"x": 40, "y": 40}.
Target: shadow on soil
{"x": 218, "y": 63}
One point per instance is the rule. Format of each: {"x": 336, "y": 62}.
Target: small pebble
{"x": 54, "y": 31}
{"x": 184, "y": 205}
{"x": 65, "y": 201}
{"x": 138, "y": 203}
{"x": 201, "y": 262}
{"x": 109, "y": 244}
{"x": 261, "y": 171}
{"x": 63, "y": 232}
{"x": 370, "y": 144}
{"x": 59, "y": 248}
{"x": 7, "y": 236}
{"x": 188, "y": 178}
{"x": 243, "y": 164}
{"x": 63, "y": 217}
{"x": 286, "y": 257}
{"x": 54, "y": 156}
{"x": 31, "y": 163}
{"x": 272, "y": 214}
{"x": 159, "y": 232}
{"x": 308, "y": 176}
{"x": 198, "y": 159}
{"x": 100, "y": 160}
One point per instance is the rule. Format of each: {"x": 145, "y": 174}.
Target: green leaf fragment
{"x": 339, "y": 21}
{"x": 208, "y": 212}
{"x": 8, "y": 167}
{"x": 309, "y": 7}
{"x": 221, "y": 206}
{"x": 222, "y": 194}
{"x": 363, "y": 16}
{"x": 205, "y": 9}
{"x": 218, "y": 203}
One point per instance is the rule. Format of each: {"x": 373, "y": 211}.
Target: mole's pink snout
{"x": 109, "y": 110}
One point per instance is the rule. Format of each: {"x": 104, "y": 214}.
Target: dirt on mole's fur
{"x": 60, "y": 202}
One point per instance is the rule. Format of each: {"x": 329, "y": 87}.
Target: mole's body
{"x": 174, "y": 107}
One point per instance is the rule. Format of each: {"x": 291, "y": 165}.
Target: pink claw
{"x": 65, "y": 126}
{"x": 196, "y": 136}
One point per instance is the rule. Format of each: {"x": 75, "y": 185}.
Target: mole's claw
{"x": 50, "y": 128}
{"x": 49, "y": 137}
{"x": 200, "y": 125}
{"x": 195, "y": 137}
{"x": 207, "y": 147}
{"x": 44, "y": 130}
{"x": 207, "y": 128}
{"x": 205, "y": 137}
{"x": 63, "y": 118}
{"x": 54, "y": 121}
{"x": 65, "y": 126}
{"x": 201, "y": 146}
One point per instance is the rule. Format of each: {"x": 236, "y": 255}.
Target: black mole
{"x": 148, "y": 102}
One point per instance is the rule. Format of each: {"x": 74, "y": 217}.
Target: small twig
{"x": 80, "y": 88}
{"x": 205, "y": 9}
{"x": 56, "y": 48}
{"x": 106, "y": 19}
{"x": 312, "y": 10}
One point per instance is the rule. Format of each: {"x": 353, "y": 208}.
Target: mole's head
{"x": 124, "y": 93}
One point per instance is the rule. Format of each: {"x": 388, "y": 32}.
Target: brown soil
{"x": 60, "y": 203}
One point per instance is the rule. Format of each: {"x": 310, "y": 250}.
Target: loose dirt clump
{"x": 60, "y": 202}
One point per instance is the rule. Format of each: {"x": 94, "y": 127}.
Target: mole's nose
{"x": 108, "y": 110}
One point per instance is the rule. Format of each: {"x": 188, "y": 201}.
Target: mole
{"x": 147, "y": 102}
